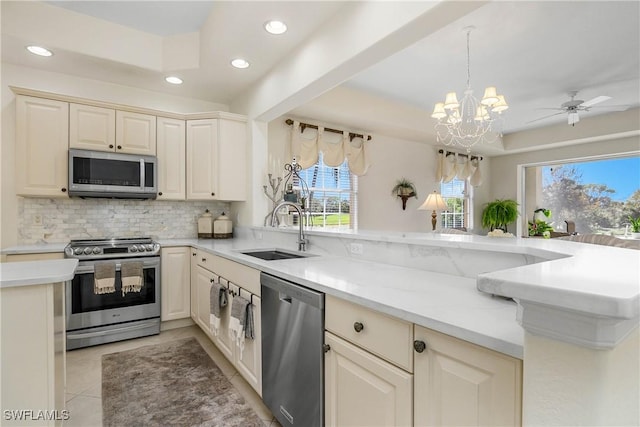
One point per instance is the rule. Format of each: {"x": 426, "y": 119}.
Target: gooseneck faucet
{"x": 302, "y": 240}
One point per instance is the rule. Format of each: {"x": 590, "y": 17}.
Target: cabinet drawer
{"x": 385, "y": 336}
{"x": 205, "y": 260}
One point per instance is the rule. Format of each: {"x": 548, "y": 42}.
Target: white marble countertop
{"x": 15, "y": 274}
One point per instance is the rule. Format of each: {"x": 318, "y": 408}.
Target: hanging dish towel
{"x": 131, "y": 276}
{"x": 104, "y": 278}
{"x": 217, "y": 301}
{"x": 238, "y": 321}
{"x": 249, "y": 331}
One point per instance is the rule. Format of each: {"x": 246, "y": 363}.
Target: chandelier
{"x": 470, "y": 121}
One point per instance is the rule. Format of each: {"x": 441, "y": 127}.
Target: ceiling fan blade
{"x": 545, "y": 117}
{"x": 550, "y": 108}
{"x": 612, "y": 107}
{"x": 594, "y": 101}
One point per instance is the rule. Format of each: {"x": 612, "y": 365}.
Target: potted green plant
{"x": 499, "y": 213}
{"x": 635, "y": 227}
{"x": 404, "y": 187}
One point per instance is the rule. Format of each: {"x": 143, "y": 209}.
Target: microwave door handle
{"x": 142, "y": 177}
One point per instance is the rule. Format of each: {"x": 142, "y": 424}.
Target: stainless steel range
{"x": 97, "y": 314}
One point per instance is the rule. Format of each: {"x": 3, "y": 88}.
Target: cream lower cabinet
{"x": 461, "y": 384}
{"x": 42, "y": 144}
{"x": 194, "y": 284}
{"x": 239, "y": 280}
{"x": 364, "y": 390}
{"x": 33, "y": 257}
{"x": 175, "y": 276}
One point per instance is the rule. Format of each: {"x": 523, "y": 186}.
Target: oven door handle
{"x": 77, "y": 336}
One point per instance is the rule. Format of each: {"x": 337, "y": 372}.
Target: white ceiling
{"x": 534, "y": 52}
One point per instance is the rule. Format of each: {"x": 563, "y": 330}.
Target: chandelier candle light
{"x": 434, "y": 202}
{"x": 470, "y": 121}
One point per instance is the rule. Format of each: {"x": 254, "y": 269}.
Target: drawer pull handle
{"x": 419, "y": 346}
{"x": 212, "y": 280}
{"x": 326, "y": 348}
{"x": 204, "y": 260}
{"x": 358, "y": 327}
{"x": 194, "y": 254}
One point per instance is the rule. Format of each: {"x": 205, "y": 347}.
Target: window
{"x": 333, "y": 195}
{"x": 598, "y": 196}
{"x": 457, "y": 194}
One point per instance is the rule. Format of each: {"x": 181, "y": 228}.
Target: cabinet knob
{"x": 213, "y": 194}
{"x": 64, "y": 190}
{"x": 358, "y": 327}
{"x": 419, "y": 346}
{"x": 204, "y": 260}
{"x": 160, "y": 193}
{"x": 326, "y": 348}
{"x": 194, "y": 254}
{"x": 119, "y": 147}
{"x": 212, "y": 280}
{"x": 110, "y": 145}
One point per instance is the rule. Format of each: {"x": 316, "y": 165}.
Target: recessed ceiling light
{"x": 174, "y": 80}
{"x": 275, "y": 27}
{"x": 37, "y": 50}
{"x": 240, "y": 63}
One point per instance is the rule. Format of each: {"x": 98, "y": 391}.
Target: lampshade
{"x": 501, "y": 105}
{"x": 438, "y": 111}
{"x": 451, "y": 101}
{"x": 490, "y": 97}
{"x": 434, "y": 202}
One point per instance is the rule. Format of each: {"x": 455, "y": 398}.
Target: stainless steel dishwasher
{"x": 292, "y": 352}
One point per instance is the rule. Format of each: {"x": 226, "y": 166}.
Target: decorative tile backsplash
{"x": 60, "y": 220}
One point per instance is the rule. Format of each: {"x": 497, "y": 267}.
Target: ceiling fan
{"x": 574, "y": 106}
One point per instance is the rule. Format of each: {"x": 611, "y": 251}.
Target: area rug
{"x": 170, "y": 384}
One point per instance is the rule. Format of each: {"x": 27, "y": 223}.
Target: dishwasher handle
{"x": 292, "y": 291}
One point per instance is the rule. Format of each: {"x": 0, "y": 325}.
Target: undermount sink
{"x": 274, "y": 254}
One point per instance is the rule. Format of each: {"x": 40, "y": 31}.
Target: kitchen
{"x": 267, "y": 144}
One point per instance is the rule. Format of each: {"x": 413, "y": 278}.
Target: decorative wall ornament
{"x": 274, "y": 197}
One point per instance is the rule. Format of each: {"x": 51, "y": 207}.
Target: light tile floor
{"x": 84, "y": 376}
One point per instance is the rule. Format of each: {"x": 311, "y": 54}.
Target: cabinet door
{"x": 135, "y": 133}
{"x": 250, "y": 364}
{"x": 92, "y": 128}
{"x": 194, "y": 285}
{"x": 203, "y": 287}
{"x": 171, "y": 159}
{"x": 42, "y": 143}
{"x": 461, "y": 384}
{"x": 202, "y": 141}
{"x": 232, "y": 160}
{"x": 363, "y": 390}
{"x": 223, "y": 340}
{"x": 175, "y": 276}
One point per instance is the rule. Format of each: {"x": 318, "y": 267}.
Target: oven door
{"x": 86, "y": 309}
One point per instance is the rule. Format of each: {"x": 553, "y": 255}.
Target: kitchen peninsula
{"x": 574, "y": 312}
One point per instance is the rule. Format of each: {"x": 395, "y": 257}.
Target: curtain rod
{"x": 461, "y": 154}
{"x": 307, "y": 125}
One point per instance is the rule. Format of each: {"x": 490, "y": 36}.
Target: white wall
{"x": 390, "y": 159}
{"x": 13, "y": 75}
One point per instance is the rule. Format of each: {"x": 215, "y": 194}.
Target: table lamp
{"x": 434, "y": 202}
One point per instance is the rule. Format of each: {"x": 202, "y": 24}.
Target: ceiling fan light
{"x": 438, "y": 111}
{"x": 573, "y": 118}
{"x": 490, "y": 96}
{"x": 501, "y": 105}
{"x": 451, "y": 101}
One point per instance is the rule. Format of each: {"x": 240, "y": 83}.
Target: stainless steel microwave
{"x": 114, "y": 175}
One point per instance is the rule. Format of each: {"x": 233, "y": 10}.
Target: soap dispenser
{"x": 205, "y": 225}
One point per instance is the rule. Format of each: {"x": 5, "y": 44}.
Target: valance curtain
{"x": 335, "y": 149}
{"x": 451, "y": 165}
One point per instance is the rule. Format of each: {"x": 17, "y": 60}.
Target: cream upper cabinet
{"x": 171, "y": 159}
{"x": 42, "y": 144}
{"x": 362, "y": 389}
{"x": 461, "y": 384}
{"x": 216, "y": 159}
{"x": 92, "y": 128}
{"x": 176, "y": 279}
{"x": 135, "y": 133}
